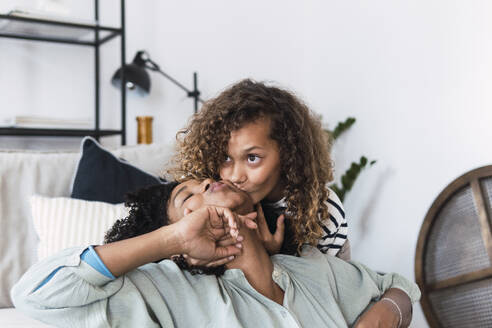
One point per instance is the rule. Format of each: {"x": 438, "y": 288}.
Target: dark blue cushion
{"x": 101, "y": 176}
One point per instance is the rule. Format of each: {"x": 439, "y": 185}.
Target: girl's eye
{"x": 253, "y": 159}
{"x": 228, "y": 159}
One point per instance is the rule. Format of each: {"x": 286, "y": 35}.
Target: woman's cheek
{"x": 194, "y": 203}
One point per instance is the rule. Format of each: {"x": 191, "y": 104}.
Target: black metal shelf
{"x": 100, "y": 35}
{"x": 36, "y": 132}
{"x": 109, "y": 32}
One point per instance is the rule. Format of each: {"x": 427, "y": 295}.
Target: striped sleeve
{"x": 334, "y": 227}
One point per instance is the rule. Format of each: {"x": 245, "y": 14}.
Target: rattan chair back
{"x": 453, "y": 262}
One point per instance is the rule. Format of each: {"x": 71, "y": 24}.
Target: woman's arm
{"x": 358, "y": 288}
{"x": 195, "y": 235}
{"x": 394, "y": 309}
{"x": 385, "y": 310}
{"x": 125, "y": 255}
{"x": 76, "y": 293}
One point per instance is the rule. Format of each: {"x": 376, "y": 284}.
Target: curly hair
{"x": 148, "y": 212}
{"x": 306, "y": 166}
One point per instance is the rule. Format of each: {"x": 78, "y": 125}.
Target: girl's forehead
{"x": 255, "y": 129}
{"x": 252, "y": 135}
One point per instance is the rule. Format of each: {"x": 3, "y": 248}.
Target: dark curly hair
{"x": 306, "y": 166}
{"x": 148, "y": 212}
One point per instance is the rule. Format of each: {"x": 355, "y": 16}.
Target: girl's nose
{"x": 238, "y": 177}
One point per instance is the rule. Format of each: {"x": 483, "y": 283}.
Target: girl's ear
{"x": 186, "y": 211}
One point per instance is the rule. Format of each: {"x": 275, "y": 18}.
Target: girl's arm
{"x": 344, "y": 253}
{"x": 335, "y": 229}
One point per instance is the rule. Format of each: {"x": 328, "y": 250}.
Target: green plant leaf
{"x": 345, "y": 182}
{"x": 363, "y": 161}
{"x": 342, "y": 127}
{"x": 352, "y": 173}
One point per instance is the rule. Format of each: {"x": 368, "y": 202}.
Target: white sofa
{"x": 24, "y": 173}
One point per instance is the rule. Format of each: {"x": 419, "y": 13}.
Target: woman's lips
{"x": 216, "y": 186}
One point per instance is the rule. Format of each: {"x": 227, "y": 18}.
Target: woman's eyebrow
{"x": 177, "y": 193}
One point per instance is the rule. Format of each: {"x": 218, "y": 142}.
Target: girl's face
{"x": 253, "y": 161}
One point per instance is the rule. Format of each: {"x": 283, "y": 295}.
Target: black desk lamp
{"x": 138, "y": 79}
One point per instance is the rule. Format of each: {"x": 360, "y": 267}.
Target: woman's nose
{"x": 206, "y": 184}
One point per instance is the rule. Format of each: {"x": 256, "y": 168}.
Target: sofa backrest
{"x": 24, "y": 173}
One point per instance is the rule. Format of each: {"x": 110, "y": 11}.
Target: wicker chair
{"x": 453, "y": 262}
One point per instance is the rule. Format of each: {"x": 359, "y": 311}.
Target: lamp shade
{"x": 136, "y": 76}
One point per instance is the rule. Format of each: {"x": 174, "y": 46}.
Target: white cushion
{"x": 65, "y": 222}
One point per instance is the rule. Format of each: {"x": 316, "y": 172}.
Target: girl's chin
{"x": 254, "y": 195}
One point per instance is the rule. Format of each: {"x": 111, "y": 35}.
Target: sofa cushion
{"x": 101, "y": 176}
{"x": 62, "y": 222}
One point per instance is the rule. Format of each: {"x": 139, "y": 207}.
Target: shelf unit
{"x": 100, "y": 35}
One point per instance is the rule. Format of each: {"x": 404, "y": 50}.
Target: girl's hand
{"x": 272, "y": 243}
{"x": 380, "y": 315}
{"x": 226, "y": 241}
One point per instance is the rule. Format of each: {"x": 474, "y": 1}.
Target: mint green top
{"x": 320, "y": 291}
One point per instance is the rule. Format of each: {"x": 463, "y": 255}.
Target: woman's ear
{"x": 187, "y": 211}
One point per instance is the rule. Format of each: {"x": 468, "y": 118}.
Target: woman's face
{"x": 253, "y": 162}
{"x": 193, "y": 194}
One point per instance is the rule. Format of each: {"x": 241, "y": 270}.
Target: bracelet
{"x": 397, "y": 307}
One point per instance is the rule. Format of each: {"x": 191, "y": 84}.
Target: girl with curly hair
{"x": 267, "y": 142}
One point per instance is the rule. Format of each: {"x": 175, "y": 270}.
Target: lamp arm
{"x": 177, "y": 83}
{"x": 151, "y": 65}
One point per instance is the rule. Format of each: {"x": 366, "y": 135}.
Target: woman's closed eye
{"x": 189, "y": 195}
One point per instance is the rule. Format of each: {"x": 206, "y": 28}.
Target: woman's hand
{"x": 272, "y": 243}
{"x": 382, "y": 314}
{"x": 227, "y": 240}
{"x": 211, "y": 234}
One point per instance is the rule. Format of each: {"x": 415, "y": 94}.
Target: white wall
{"x": 417, "y": 75}
{"x": 221, "y": 41}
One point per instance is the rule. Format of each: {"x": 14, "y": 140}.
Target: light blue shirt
{"x": 320, "y": 291}
{"x": 90, "y": 256}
